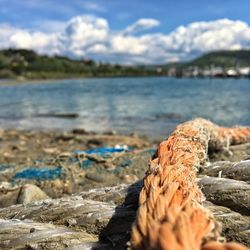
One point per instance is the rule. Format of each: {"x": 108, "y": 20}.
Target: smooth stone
{"x": 29, "y": 193}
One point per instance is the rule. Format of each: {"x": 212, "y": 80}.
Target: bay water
{"x": 152, "y": 106}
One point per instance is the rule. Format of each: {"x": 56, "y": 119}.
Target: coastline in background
{"x": 21, "y": 64}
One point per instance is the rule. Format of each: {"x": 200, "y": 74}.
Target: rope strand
{"x": 170, "y": 215}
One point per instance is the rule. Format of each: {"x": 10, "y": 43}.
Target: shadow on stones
{"x": 118, "y": 231}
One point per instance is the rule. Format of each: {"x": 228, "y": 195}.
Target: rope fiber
{"x": 170, "y": 214}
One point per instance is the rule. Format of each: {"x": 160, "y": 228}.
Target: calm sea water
{"x": 151, "y": 106}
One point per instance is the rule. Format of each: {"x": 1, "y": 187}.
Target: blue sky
{"x": 50, "y": 17}
{"x": 119, "y": 13}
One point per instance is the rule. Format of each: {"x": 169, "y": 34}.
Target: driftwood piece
{"x": 126, "y": 195}
{"x": 27, "y": 234}
{"x": 215, "y": 168}
{"x": 235, "y": 227}
{"x": 106, "y": 220}
{"x": 99, "y": 199}
{"x": 114, "y": 210}
{"x": 97, "y": 206}
{"x": 99, "y": 218}
{"x": 91, "y": 246}
{"x": 226, "y": 169}
{"x": 226, "y": 192}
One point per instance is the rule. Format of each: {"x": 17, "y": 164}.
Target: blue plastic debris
{"x": 102, "y": 151}
{"x": 39, "y": 173}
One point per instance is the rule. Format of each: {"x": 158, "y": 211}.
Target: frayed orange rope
{"x": 170, "y": 215}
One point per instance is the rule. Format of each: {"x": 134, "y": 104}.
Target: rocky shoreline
{"x": 62, "y": 163}
{"x": 79, "y": 190}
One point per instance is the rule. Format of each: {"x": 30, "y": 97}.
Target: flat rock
{"x": 27, "y": 234}
{"x": 226, "y": 192}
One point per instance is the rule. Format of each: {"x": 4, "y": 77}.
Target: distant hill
{"x": 224, "y": 59}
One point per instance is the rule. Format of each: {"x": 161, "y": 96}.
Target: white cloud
{"x": 91, "y": 37}
{"x": 97, "y": 49}
{"x": 142, "y": 24}
{"x": 213, "y": 35}
{"x": 83, "y": 32}
{"x": 127, "y": 45}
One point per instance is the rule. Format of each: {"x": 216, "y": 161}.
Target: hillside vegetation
{"x": 26, "y": 64}
{"x": 224, "y": 59}
{"x": 29, "y": 65}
